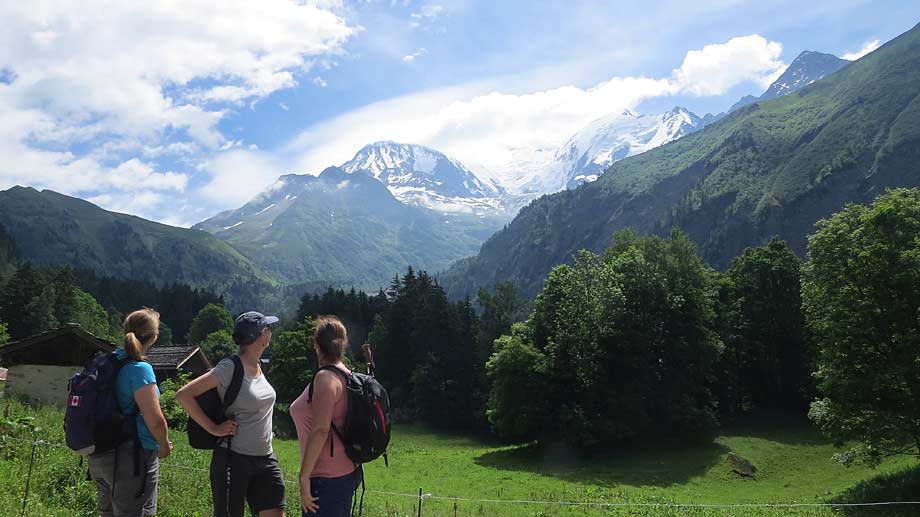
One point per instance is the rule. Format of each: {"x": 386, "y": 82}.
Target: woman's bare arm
{"x": 148, "y": 403}
{"x": 326, "y": 389}
{"x": 186, "y": 398}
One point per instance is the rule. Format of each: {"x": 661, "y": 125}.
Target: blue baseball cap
{"x": 248, "y": 326}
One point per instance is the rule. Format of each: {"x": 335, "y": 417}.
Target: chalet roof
{"x": 68, "y": 332}
{"x": 163, "y": 357}
{"x": 48, "y": 348}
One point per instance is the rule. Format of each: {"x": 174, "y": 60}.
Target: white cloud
{"x": 426, "y": 15}
{"x": 143, "y": 203}
{"x": 319, "y": 81}
{"x": 135, "y": 174}
{"x": 715, "y": 68}
{"x": 238, "y": 175}
{"x": 411, "y": 57}
{"x": 494, "y": 131}
{"x": 133, "y": 80}
{"x": 869, "y": 46}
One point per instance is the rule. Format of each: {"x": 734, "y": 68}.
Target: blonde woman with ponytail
{"x": 126, "y": 478}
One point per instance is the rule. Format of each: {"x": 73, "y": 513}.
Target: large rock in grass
{"x": 741, "y": 465}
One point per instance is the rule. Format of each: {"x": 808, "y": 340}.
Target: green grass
{"x": 794, "y": 465}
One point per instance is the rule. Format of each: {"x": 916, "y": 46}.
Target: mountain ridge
{"x": 345, "y": 228}
{"x": 52, "y": 228}
{"x": 773, "y": 167}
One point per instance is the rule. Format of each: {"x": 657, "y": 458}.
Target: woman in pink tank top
{"x": 328, "y": 479}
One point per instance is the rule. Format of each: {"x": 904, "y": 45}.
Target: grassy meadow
{"x": 794, "y": 466}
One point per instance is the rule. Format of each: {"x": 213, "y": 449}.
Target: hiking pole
{"x": 369, "y": 359}
{"x": 29, "y": 478}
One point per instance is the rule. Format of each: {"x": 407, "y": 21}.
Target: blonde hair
{"x": 140, "y": 327}
{"x": 331, "y": 337}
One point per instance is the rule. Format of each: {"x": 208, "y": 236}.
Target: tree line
{"x": 646, "y": 340}
{"x": 38, "y": 298}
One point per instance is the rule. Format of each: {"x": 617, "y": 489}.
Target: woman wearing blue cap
{"x": 248, "y": 472}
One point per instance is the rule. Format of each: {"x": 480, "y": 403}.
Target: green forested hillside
{"x": 344, "y": 229}
{"x": 51, "y": 228}
{"x": 772, "y": 168}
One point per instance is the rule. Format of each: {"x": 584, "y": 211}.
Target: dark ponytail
{"x": 331, "y": 337}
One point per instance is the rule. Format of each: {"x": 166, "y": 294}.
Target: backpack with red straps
{"x": 366, "y": 433}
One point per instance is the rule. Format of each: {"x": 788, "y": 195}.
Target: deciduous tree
{"x": 211, "y": 318}
{"x": 861, "y": 297}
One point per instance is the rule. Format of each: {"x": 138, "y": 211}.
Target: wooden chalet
{"x": 168, "y": 361}
{"x": 40, "y": 367}
{"x": 67, "y": 346}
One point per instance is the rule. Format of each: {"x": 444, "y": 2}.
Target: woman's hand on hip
{"x": 227, "y": 428}
{"x": 307, "y": 501}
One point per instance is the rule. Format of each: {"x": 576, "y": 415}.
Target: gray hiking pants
{"x": 119, "y": 492}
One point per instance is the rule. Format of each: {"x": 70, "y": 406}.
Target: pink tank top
{"x": 326, "y": 466}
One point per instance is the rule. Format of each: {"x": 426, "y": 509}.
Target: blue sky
{"x": 176, "y": 112}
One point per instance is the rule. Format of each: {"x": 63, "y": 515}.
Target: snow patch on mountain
{"x": 269, "y": 207}
{"x": 421, "y": 176}
{"x": 614, "y": 137}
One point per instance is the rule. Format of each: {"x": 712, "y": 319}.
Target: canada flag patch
{"x": 75, "y": 400}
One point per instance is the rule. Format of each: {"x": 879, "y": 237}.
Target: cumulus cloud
{"x": 495, "y": 132}
{"x": 869, "y": 46}
{"x": 128, "y": 80}
{"x": 319, "y": 81}
{"x": 715, "y": 68}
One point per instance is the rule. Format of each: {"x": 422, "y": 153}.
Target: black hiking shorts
{"x": 255, "y": 480}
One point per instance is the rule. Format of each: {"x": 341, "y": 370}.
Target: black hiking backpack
{"x": 216, "y": 409}
{"x": 366, "y": 433}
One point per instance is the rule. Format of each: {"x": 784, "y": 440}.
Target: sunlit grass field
{"x": 793, "y": 461}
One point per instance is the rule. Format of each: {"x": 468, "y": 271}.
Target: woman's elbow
{"x": 184, "y": 398}
{"x": 319, "y": 432}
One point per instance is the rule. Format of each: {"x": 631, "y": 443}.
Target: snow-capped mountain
{"x": 528, "y": 170}
{"x": 614, "y": 137}
{"x": 346, "y": 229}
{"x": 421, "y": 176}
{"x": 618, "y": 135}
{"x": 805, "y": 69}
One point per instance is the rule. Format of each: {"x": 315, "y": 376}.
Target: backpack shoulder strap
{"x": 310, "y": 400}
{"x": 236, "y": 382}
{"x": 327, "y": 367}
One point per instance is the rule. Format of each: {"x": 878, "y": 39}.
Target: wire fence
{"x": 422, "y": 496}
